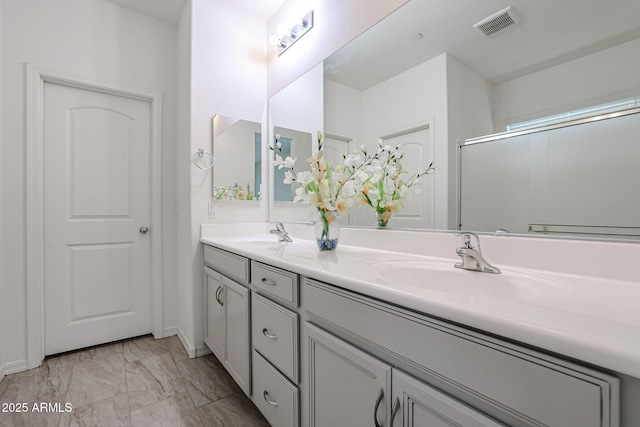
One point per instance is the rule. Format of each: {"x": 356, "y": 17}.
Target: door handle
{"x": 394, "y": 410}
{"x": 144, "y": 230}
{"x": 266, "y": 333}
{"x": 218, "y": 295}
{"x": 376, "y": 406}
{"x": 265, "y": 395}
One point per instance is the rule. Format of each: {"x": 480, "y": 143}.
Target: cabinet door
{"x": 213, "y": 327}
{"x": 347, "y": 387}
{"x": 237, "y": 355}
{"x": 415, "y": 404}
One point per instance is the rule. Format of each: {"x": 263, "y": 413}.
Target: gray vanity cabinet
{"x": 347, "y": 387}
{"x": 316, "y": 355}
{"x": 507, "y": 382}
{"x": 350, "y": 387}
{"x": 227, "y": 313}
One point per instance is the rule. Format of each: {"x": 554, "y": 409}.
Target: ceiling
{"x": 170, "y": 10}
{"x": 549, "y": 32}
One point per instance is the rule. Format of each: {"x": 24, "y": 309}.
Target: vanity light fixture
{"x": 288, "y": 37}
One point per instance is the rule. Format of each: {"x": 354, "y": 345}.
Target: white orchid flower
{"x": 304, "y": 177}
{"x": 288, "y": 177}
{"x": 289, "y": 162}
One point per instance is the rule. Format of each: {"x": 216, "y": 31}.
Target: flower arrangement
{"x": 385, "y": 190}
{"x": 234, "y": 192}
{"x": 330, "y": 189}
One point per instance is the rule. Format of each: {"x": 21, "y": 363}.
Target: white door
{"x": 334, "y": 149}
{"x": 96, "y": 207}
{"x": 419, "y": 209}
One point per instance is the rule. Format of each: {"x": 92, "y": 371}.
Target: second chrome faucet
{"x": 281, "y": 232}
{"x": 471, "y": 255}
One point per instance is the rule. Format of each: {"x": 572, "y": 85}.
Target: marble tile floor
{"x": 138, "y": 382}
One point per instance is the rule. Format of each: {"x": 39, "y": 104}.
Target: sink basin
{"x": 259, "y": 240}
{"x": 417, "y": 276}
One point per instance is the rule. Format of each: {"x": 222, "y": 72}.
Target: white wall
{"x": 2, "y": 298}
{"x": 469, "y": 114}
{"x": 184, "y": 254}
{"x": 601, "y": 77}
{"x": 92, "y": 40}
{"x": 336, "y": 22}
{"x": 225, "y": 73}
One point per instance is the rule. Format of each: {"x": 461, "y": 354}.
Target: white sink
{"x": 416, "y": 276}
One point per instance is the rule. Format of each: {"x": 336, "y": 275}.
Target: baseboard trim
{"x": 170, "y": 331}
{"x": 191, "y": 349}
{"x": 13, "y": 368}
{"x": 202, "y": 350}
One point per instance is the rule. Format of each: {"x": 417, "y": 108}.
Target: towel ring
{"x": 200, "y": 154}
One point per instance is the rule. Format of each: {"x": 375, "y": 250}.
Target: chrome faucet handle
{"x": 470, "y": 240}
{"x": 471, "y": 255}
{"x": 281, "y": 232}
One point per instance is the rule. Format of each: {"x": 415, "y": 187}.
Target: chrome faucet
{"x": 472, "y": 258}
{"x": 281, "y": 232}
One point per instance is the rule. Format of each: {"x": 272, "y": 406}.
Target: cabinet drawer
{"x": 274, "y": 395}
{"x": 231, "y": 265}
{"x": 281, "y": 284}
{"x": 275, "y": 334}
{"x": 530, "y": 386}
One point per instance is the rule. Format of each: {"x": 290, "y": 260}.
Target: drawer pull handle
{"x": 266, "y": 281}
{"x": 269, "y": 401}
{"x": 268, "y": 335}
{"x": 218, "y": 297}
{"x": 394, "y": 411}
{"x": 375, "y": 408}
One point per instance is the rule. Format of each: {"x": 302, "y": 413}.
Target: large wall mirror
{"x": 295, "y": 114}
{"x": 237, "y": 150}
{"x": 425, "y": 77}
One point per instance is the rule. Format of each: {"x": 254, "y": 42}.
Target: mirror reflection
{"x": 237, "y": 148}
{"x": 296, "y": 144}
{"x": 418, "y": 70}
{"x": 296, "y": 114}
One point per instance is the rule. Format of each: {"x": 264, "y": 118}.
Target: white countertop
{"x": 588, "y": 318}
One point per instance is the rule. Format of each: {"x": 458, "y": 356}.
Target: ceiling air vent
{"x": 497, "y": 22}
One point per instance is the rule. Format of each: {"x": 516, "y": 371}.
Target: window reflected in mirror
{"x": 237, "y": 174}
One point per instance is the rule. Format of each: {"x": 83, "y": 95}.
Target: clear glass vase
{"x": 383, "y": 219}
{"x": 327, "y": 232}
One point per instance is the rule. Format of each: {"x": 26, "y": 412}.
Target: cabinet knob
{"x": 144, "y": 230}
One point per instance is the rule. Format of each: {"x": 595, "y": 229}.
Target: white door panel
{"x": 96, "y": 199}
{"x": 418, "y": 209}
{"x": 334, "y": 149}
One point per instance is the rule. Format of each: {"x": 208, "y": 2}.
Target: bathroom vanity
{"x": 362, "y": 337}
